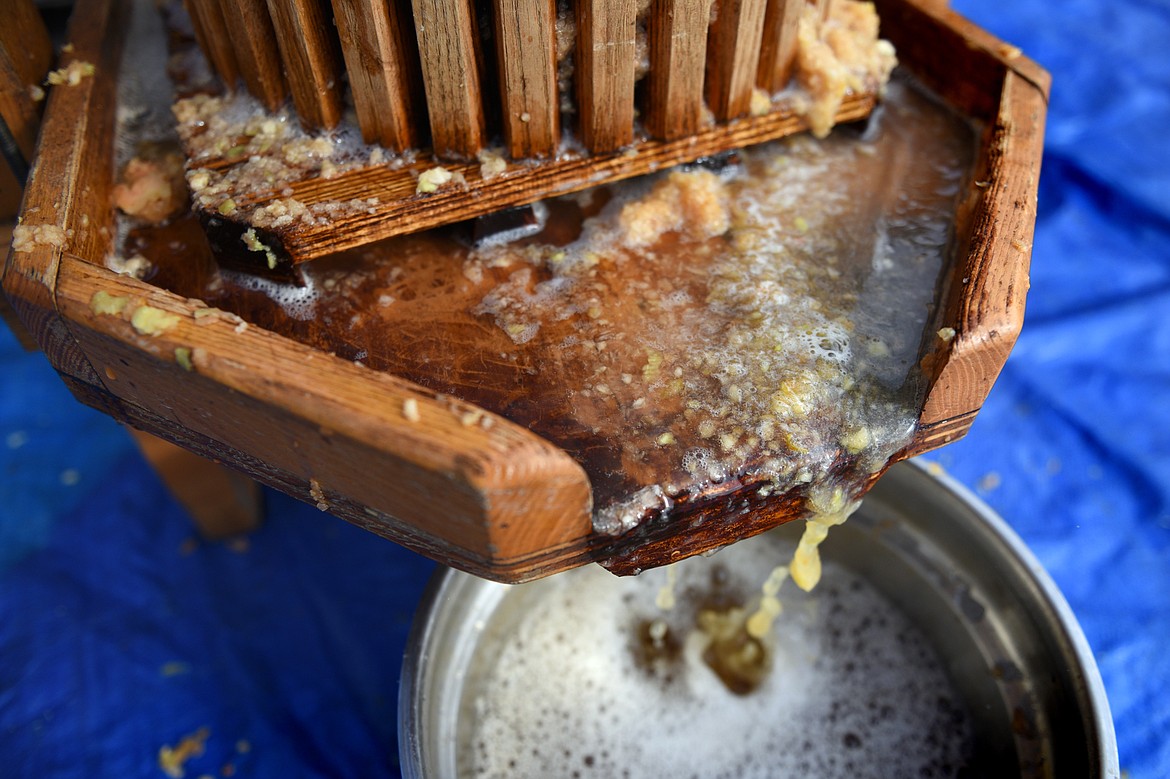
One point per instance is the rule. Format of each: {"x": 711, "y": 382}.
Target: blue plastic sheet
{"x": 120, "y": 634}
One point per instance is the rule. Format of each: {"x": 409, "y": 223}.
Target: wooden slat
{"x": 940, "y": 43}
{"x": 24, "y": 40}
{"x": 526, "y": 51}
{"x": 448, "y": 44}
{"x": 25, "y": 57}
{"x": 400, "y": 210}
{"x": 606, "y": 55}
{"x": 678, "y": 55}
{"x": 26, "y": 54}
{"x": 212, "y": 34}
{"x": 778, "y": 46}
{"x": 381, "y": 58}
{"x": 7, "y": 313}
{"x": 254, "y": 42}
{"x": 733, "y": 56}
{"x": 309, "y": 50}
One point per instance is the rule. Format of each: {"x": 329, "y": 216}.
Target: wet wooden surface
{"x": 512, "y": 505}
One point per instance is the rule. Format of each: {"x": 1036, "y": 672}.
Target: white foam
{"x": 856, "y": 690}
{"x": 298, "y": 301}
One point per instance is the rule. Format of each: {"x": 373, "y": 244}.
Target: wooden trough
{"x": 495, "y": 500}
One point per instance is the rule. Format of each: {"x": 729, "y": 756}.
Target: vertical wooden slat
{"x": 211, "y": 32}
{"x": 606, "y": 52}
{"x": 381, "y": 57}
{"x": 448, "y": 44}
{"x": 733, "y": 56}
{"x": 309, "y": 50}
{"x": 778, "y": 46}
{"x": 254, "y": 42}
{"x": 526, "y": 51}
{"x": 678, "y": 54}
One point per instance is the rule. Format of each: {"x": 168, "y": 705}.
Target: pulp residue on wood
{"x": 685, "y": 335}
{"x": 252, "y": 166}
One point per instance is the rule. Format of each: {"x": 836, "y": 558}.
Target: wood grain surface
{"x": 26, "y": 55}
{"x": 678, "y": 53}
{"x": 492, "y": 495}
{"x": 381, "y": 59}
{"x": 606, "y": 53}
{"x": 210, "y": 27}
{"x": 310, "y": 54}
{"x": 983, "y": 298}
{"x": 527, "y": 76}
{"x": 68, "y": 192}
{"x": 733, "y": 56}
{"x": 448, "y": 42}
{"x": 253, "y": 38}
{"x": 400, "y": 209}
{"x": 778, "y": 50}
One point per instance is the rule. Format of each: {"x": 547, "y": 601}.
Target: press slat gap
{"x": 212, "y": 34}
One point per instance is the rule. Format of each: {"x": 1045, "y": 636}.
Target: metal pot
{"x": 1015, "y": 681}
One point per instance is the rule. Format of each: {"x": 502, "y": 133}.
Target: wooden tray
{"x": 496, "y": 500}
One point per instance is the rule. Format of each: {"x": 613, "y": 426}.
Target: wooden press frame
{"x": 496, "y": 501}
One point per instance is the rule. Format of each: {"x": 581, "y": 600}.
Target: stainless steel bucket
{"x": 1016, "y": 660}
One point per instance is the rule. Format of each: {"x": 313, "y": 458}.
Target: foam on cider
{"x": 855, "y": 690}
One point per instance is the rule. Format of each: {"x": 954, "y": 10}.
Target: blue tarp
{"x": 119, "y": 635}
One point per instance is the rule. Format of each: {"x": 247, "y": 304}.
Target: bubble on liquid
{"x": 855, "y": 691}
{"x": 297, "y": 301}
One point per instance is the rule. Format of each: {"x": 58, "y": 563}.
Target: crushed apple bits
{"x": 267, "y": 152}
{"x": 760, "y": 329}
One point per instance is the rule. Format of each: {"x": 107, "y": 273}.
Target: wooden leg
{"x": 222, "y": 502}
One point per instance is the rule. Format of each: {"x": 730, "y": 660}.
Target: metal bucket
{"x": 1015, "y": 665}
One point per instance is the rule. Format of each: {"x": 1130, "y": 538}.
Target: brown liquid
{"x": 657, "y": 649}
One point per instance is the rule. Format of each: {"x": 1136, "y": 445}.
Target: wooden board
{"x": 400, "y": 209}
{"x": 382, "y": 452}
